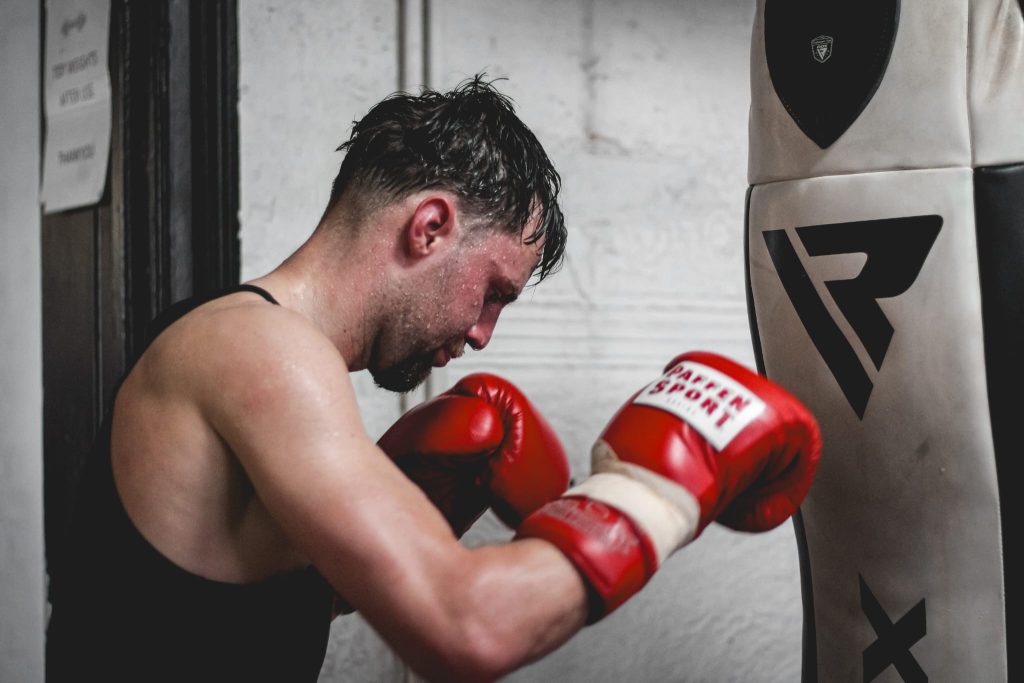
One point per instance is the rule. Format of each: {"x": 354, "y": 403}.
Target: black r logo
{"x": 896, "y": 249}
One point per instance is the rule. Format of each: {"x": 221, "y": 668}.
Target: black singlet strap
{"x": 254, "y": 289}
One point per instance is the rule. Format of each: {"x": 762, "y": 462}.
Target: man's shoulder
{"x": 237, "y": 341}
{"x": 241, "y": 320}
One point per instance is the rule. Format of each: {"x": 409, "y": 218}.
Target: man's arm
{"x": 281, "y": 399}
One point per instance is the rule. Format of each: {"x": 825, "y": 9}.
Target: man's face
{"x": 454, "y": 303}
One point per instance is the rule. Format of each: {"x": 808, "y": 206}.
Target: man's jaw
{"x": 413, "y": 371}
{"x": 403, "y": 377}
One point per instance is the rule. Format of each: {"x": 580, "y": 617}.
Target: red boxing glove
{"x": 708, "y": 440}
{"x": 480, "y": 444}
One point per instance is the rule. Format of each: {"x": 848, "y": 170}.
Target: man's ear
{"x": 431, "y": 226}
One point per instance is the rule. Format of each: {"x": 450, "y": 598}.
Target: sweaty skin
{"x": 239, "y": 452}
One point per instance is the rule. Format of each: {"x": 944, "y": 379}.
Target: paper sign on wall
{"x": 77, "y": 104}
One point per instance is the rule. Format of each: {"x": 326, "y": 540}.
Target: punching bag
{"x": 885, "y": 276}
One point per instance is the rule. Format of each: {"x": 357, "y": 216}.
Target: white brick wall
{"x": 22, "y": 591}
{"x": 642, "y": 105}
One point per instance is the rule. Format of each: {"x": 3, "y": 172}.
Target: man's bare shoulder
{"x": 242, "y": 347}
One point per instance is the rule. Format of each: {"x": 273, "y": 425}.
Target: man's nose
{"x": 480, "y": 333}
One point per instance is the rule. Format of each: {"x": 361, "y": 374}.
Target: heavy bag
{"x": 885, "y": 275}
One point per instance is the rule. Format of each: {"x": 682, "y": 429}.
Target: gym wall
{"x": 22, "y": 593}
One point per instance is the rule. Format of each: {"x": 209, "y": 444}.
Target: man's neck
{"x": 337, "y": 290}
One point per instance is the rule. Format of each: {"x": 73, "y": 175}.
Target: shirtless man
{"x": 233, "y": 490}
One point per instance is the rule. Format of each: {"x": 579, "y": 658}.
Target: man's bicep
{"x": 383, "y": 546}
{"x": 297, "y": 432}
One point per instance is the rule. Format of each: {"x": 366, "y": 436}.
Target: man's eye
{"x": 496, "y": 295}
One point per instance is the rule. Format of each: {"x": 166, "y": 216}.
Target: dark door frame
{"x": 165, "y": 228}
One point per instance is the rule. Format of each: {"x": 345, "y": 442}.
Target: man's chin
{"x": 403, "y": 377}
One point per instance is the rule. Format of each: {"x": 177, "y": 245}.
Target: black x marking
{"x": 894, "y": 640}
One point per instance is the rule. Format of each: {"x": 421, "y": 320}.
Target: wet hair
{"x": 468, "y": 141}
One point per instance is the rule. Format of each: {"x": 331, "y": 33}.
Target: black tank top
{"x": 124, "y": 612}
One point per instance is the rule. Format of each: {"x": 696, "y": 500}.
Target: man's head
{"x": 450, "y": 296}
{"x": 482, "y": 215}
{"x": 468, "y": 141}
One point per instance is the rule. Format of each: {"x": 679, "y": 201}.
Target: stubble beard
{"x": 405, "y": 375}
{"x": 418, "y": 361}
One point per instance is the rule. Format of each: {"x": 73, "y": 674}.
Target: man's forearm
{"x": 489, "y": 612}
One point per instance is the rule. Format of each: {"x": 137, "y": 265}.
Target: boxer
{"x": 233, "y": 491}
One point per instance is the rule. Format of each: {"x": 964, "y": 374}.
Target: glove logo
{"x": 821, "y": 48}
{"x": 896, "y": 250}
{"x": 713, "y": 403}
{"x": 595, "y": 520}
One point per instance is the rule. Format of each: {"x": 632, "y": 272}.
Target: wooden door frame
{"x": 165, "y": 228}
